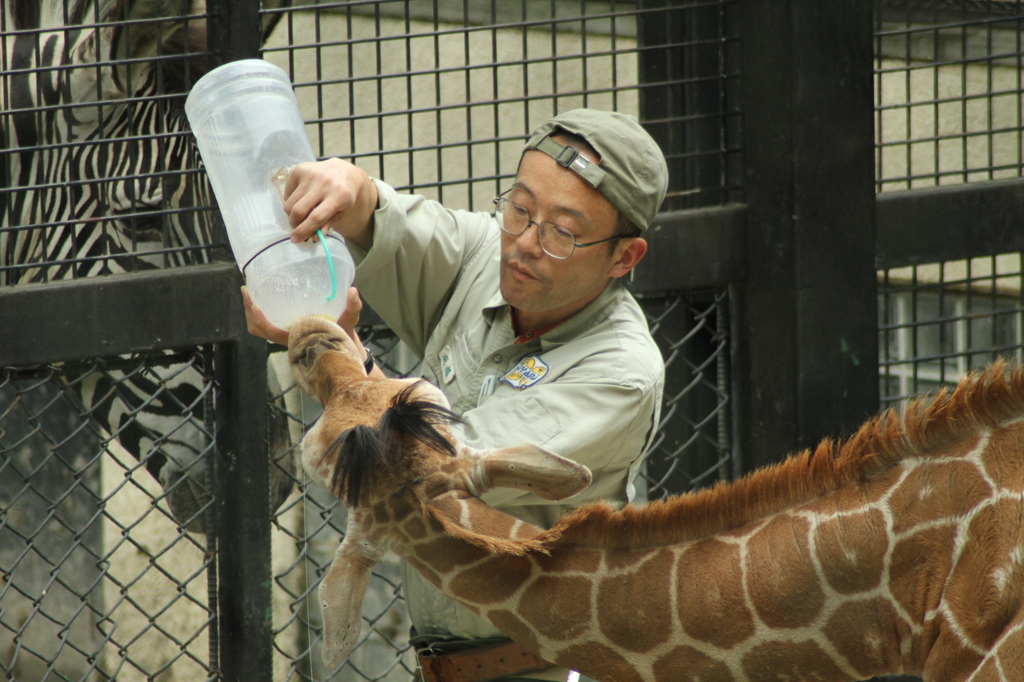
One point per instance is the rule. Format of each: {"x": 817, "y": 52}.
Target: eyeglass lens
{"x": 553, "y": 240}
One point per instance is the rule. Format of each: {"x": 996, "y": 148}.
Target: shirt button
{"x": 496, "y": 358}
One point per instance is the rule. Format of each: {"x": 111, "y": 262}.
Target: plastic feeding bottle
{"x": 250, "y": 133}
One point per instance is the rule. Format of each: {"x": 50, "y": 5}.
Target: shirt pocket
{"x": 532, "y": 423}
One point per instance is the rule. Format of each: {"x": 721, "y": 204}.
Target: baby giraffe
{"x": 898, "y": 551}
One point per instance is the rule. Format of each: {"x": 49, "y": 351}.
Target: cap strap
{"x": 567, "y": 157}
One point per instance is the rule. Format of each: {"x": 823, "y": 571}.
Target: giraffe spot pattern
{"x": 580, "y": 560}
{"x": 935, "y": 491}
{"x": 557, "y": 607}
{"x": 790, "y": 660}
{"x": 859, "y": 496}
{"x": 851, "y": 549}
{"x": 984, "y": 592}
{"x": 602, "y": 662}
{"x": 625, "y": 559}
{"x": 492, "y": 581}
{"x": 491, "y": 525}
{"x": 709, "y": 594}
{"x": 414, "y": 529}
{"x": 780, "y": 579}
{"x": 511, "y": 625}
{"x": 861, "y": 632}
{"x": 641, "y": 595}
{"x": 381, "y": 514}
{"x": 446, "y": 553}
{"x": 686, "y": 664}
{"x": 918, "y": 562}
{"x": 426, "y": 571}
{"x": 1007, "y": 472}
{"x": 1010, "y": 649}
{"x": 948, "y": 658}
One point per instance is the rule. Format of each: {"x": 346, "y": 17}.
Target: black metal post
{"x": 245, "y": 634}
{"x": 243, "y": 532}
{"x": 806, "y": 363}
{"x": 235, "y": 31}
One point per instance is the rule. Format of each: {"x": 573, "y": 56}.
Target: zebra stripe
{"x": 104, "y": 178}
{"x": 93, "y": 191}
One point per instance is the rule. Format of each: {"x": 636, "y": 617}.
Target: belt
{"x": 479, "y": 664}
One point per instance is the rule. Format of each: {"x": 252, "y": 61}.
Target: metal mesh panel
{"x": 940, "y": 320}
{"x": 948, "y": 92}
{"x": 438, "y": 97}
{"x": 690, "y": 450}
{"x": 99, "y": 581}
{"x": 98, "y": 172}
{"x": 98, "y": 175}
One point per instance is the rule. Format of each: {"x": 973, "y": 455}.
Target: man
{"x": 520, "y": 317}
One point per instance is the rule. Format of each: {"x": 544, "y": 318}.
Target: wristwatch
{"x": 368, "y": 363}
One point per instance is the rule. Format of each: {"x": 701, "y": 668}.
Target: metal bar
{"x": 945, "y": 223}
{"x": 807, "y": 309}
{"x": 188, "y": 306}
{"x": 235, "y": 31}
{"x": 764, "y": 313}
{"x": 834, "y": 194}
{"x": 699, "y": 249}
{"x": 244, "y": 615}
{"x": 118, "y": 314}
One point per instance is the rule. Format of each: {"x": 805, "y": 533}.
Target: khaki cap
{"x": 632, "y": 174}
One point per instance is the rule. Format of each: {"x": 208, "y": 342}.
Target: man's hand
{"x": 350, "y": 318}
{"x": 260, "y": 326}
{"x": 334, "y": 194}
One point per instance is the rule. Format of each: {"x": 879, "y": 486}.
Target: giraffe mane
{"x": 979, "y": 401}
{"x": 362, "y": 454}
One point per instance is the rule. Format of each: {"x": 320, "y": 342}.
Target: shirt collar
{"x": 590, "y": 316}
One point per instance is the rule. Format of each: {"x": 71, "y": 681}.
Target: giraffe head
{"x": 386, "y": 449}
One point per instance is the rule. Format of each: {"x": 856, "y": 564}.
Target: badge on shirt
{"x": 529, "y": 371}
{"x": 447, "y": 364}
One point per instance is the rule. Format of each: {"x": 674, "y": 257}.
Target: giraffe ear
{"x": 341, "y": 595}
{"x": 529, "y": 468}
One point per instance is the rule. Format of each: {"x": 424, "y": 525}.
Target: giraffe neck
{"x": 889, "y": 575}
{"x": 581, "y": 607}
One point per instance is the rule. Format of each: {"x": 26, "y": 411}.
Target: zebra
{"x": 97, "y": 157}
{"x": 99, "y": 175}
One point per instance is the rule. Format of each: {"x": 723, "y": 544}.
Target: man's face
{"x": 543, "y": 289}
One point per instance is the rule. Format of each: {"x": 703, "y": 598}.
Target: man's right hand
{"x": 333, "y": 194}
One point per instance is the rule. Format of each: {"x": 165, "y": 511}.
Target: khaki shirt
{"x": 590, "y": 389}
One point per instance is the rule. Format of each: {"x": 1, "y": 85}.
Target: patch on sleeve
{"x": 529, "y": 371}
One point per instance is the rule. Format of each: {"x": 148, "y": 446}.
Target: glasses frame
{"x": 540, "y": 226}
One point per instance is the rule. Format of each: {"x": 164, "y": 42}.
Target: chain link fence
{"x": 103, "y": 580}
{"x": 108, "y": 471}
{"x": 99, "y": 579}
{"x": 691, "y": 449}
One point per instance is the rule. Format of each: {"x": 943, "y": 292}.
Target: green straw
{"x": 330, "y": 266}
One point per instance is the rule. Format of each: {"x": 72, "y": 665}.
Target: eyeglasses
{"x": 556, "y": 241}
